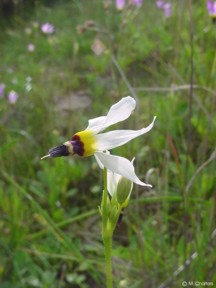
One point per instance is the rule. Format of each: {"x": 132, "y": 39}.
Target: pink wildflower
{"x": 160, "y": 4}
{"x": 120, "y": 4}
{"x": 47, "y": 28}
{"x": 12, "y": 97}
{"x": 137, "y": 3}
{"x": 31, "y": 47}
{"x": 211, "y": 6}
{"x": 167, "y": 9}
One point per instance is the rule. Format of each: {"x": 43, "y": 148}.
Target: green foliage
{"x": 50, "y": 227}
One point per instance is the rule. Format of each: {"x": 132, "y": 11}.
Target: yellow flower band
{"x": 84, "y": 143}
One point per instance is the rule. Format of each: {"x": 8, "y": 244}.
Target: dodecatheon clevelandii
{"x": 93, "y": 141}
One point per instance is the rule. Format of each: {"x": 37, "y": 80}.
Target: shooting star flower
{"x": 47, "y": 28}
{"x": 120, "y": 4}
{"x": 12, "y": 97}
{"x": 92, "y": 142}
{"x": 211, "y": 7}
{"x": 166, "y": 7}
{"x": 31, "y": 47}
{"x": 137, "y": 3}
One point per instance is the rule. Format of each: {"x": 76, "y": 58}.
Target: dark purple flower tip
{"x": 59, "y": 151}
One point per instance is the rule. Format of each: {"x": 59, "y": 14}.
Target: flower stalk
{"x": 107, "y": 239}
{"x": 110, "y": 210}
{"x": 107, "y": 233}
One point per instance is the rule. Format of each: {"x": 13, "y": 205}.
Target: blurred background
{"x": 64, "y": 62}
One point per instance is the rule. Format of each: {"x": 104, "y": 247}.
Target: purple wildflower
{"x": 12, "y": 97}
{"x": 120, "y": 4}
{"x": 211, "y": 6}
{"x": 137, "y": 3}
{"x": 167, "y": 9}
{"x": 31, "y": 47}
{"x": 47, "y": 28}
{"x": 160, "y": 4}
{"x": 2, "y": 87}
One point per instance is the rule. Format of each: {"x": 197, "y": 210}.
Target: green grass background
{"x": 50, "y": 228}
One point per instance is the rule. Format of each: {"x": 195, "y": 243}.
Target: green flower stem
{"x": 108, "y": 257}
{"x": 104, "y": 201}
{"x": 107, "y": 233}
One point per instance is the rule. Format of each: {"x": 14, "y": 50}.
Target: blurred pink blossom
{"x": 137, "y": 3}
{"x": 167, "y": 9}
{"x": 2, "y": 87}
{"x": 211, "y": 6}
{"x": 47, "y": 28}
{"x": 12, "y": 97}
{"x": 159, "y": 3}
{"x": 31, "y": 47}
{"x": 120, "y": 4}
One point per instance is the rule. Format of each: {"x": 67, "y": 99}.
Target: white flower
{"x": 92, "y": 142}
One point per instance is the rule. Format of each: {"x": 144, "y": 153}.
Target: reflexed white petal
{"x": 112, "y": 181}
{"x": 99, "y": 162}
{"x": 121, "y": 166}
{"x": 112, "y": 139}
{"x": 117, "y": 113}
{"x": 112, "y": 178}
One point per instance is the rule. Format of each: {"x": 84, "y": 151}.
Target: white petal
{"x": 98, "y": 161}
{"x": 112, "y": 139}
{"x": 112, "y": 181}
{"x": 112, "y": 178}
{"x": 95, "y": 124}
{"x": 121, "y": 166}
{"x": 117, "y": 113}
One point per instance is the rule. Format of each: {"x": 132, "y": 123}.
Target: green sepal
{"x": 123, "y": 191}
